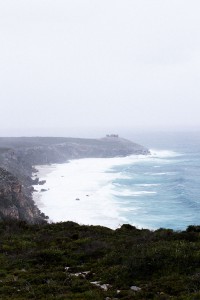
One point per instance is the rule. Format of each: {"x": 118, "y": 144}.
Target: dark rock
{"x": 41, "y": 182}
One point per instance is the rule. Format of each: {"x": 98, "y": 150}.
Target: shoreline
{"x": 21, "y": 154}
{"x": 82, "y": 204}
{"x": 99, "y": 191}
{"x": 91, "y": 201}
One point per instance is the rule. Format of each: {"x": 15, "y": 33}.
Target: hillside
{"x": 69, "y": 261}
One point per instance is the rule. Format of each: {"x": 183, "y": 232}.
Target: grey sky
{"x": 82, "y": 65}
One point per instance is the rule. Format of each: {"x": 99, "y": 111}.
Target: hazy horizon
{"x": 87, "y": 68}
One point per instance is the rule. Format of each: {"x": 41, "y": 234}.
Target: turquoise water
{"x": 163, "y": 191}
{"x": 153, "y": 191}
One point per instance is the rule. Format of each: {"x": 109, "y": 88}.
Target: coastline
{"x": 19, "y": 156}
{"x": 133, "y": 190}
{"x": 83, "y": 192}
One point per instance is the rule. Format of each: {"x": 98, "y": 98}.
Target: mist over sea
{"x": 158, "y": 190}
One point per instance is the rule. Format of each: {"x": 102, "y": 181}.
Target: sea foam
{"x": 108, "y": 191}
{"x": 81, "y": 191}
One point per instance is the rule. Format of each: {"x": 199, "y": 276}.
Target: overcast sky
{"x": 70, "y": 66}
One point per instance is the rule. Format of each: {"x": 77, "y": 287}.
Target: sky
{"x": 86, "y": 67}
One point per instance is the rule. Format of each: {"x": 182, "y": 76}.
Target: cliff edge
{"x": 14, "y": 204}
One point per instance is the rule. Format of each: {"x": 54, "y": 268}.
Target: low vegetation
{"x": 69, "y": 261}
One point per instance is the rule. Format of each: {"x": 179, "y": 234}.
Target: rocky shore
{"x": 18, "y": 156}
{"x": 14, "y": 204}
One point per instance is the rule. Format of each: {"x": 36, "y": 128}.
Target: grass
{"x": 47, "y": 262}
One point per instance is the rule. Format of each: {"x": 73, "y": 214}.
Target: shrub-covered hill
{"x": 69, "y": 261}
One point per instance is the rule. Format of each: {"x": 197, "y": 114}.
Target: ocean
{"x": 160, "y": 190}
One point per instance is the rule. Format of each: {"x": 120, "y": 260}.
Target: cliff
{"x": 40, "y": 150}
{"x": 19, "y": 156}
{"x": 14, "y": 204}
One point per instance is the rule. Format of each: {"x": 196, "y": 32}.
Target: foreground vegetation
{"x": 68, "y": 261}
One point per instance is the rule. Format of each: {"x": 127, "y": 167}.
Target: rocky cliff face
{"x": 14, "y": 204}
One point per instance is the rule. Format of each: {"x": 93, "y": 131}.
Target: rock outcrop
{"x": 14, "y": 204}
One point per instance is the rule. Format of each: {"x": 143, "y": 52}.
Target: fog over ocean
{"x": 158, "y": 190}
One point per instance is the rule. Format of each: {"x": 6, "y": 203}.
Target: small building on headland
{"x": 112, "y": 135}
